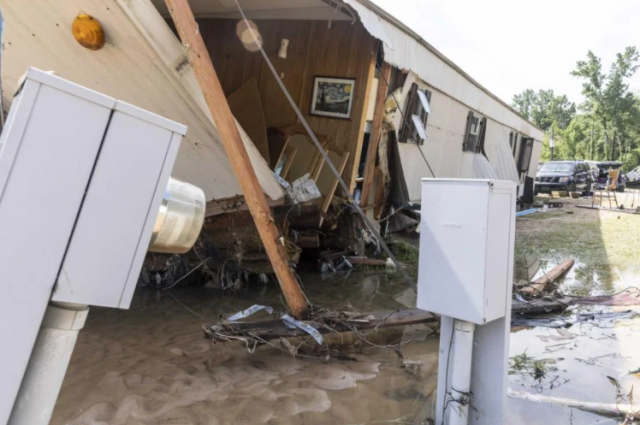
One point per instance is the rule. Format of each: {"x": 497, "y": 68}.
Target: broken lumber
{"x": 376, "y": 132}
{"x": 626, "y": 411}
{"x": 328, "y": 323}
{"x": 630, "y": 296}
{"x": 225, "y": 123}
{"x": 549, "y": 277}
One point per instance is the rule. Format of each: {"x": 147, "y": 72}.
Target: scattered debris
{"x": 565, "y": 322}
{"x": 627, "y": 297}
{"x": 539, "y": 285}
{"x": 320, "y": 322}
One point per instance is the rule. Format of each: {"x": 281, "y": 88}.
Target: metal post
{"x": 551, "y": 143}
{"x": 48, "y": 364}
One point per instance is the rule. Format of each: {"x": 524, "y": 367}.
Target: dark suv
{"x": 572, "y": 176}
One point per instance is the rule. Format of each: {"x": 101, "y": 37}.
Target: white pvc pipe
{"x": 458, "y": 404}
{"x": 48, "y": 364}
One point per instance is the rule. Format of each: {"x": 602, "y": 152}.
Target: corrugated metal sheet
{"x": 411, "y": 53}
{"x": 482, "y": 169}
{"x": 499, "y": 152}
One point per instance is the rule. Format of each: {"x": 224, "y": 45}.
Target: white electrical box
{"x": 82, "y": 177}
{"x": 466, "y": 247}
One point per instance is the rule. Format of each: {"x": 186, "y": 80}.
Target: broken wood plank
{"x": 619, "y": 410}
{"x": 549, "y": 277}
{"x": 199, "y": 59}
{"x": 334, "y": 184}
{"x": 291, "y": 155}
{"x": 376, "y": 132}
{"x": 271, "y": 329}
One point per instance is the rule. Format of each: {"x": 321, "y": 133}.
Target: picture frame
{"x": 332, "y": 97}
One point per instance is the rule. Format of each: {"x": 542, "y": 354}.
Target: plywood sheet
{"x": 304, "y": 157}
{"x": 246, "y": 106}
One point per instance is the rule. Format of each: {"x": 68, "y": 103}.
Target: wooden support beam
{"x": 236, "y": 152}
{"x": 376, "y": 133}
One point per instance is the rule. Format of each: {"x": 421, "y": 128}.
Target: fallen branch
{"x": 549, "y": 277}
{"x": 627, "y": 412}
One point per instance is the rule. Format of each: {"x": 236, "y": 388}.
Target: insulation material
{"x": 143, "y": 63}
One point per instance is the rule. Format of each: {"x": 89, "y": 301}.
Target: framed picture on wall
{"x": 332, "y": 97}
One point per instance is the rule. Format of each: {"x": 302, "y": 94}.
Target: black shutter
{"x": 406, "y": 129}
{"x": 465, "y": 141}
{"x": 483, "y": 130}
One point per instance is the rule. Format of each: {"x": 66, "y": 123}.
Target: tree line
{"x": 605, "y": 127}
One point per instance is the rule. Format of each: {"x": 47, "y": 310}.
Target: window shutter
{"x": 467, "y": 131}
{"x": 406, "y": 130}
{"x": 483, "y": 130}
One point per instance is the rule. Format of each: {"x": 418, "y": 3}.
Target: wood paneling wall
{"x": 344, "y": 50}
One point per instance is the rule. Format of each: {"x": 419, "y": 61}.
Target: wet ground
{"x": 151, "y": 365}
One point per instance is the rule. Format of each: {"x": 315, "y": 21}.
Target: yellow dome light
{"x": 88, "y": 32}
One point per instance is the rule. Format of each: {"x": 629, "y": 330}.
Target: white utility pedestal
{"x": 82, "y": 179}
{"x": 465, "y": 275}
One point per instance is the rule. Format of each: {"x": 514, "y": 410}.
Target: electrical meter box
{"x": 466, "y": 248}
{"x": 82, "y": 178}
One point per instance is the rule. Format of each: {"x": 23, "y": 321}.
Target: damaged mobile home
{"x": 388, "y": 108}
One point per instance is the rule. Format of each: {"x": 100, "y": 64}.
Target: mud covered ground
{"x": 152, "y": 365}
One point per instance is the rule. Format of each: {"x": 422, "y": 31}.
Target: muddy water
{"x": 151, "y": 365}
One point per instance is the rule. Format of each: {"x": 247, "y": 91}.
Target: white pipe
{"x": 458, "y": 402}
{"x": 48, "y": 364}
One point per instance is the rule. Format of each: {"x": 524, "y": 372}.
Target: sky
{"x": 511, "y": 45}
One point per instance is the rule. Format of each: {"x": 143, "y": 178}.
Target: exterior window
{"x": 474, "y": 135}
{"x": 416, "y": 114}
{"x": 525, "y": 154}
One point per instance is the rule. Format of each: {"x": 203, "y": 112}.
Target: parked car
{"x": 572, "y": 176}
{"x": 603, "y": 175}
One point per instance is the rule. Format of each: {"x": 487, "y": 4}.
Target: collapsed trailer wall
{"x": 343, "y": 50}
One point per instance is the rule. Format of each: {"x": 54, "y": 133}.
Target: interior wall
{"x": 344, "y": 50}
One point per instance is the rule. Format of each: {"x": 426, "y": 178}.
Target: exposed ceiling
{"x": 265, "y": 9}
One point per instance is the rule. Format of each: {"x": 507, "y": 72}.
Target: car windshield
{"x": 557, "y": 167}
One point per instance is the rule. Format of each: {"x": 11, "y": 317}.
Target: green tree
{"x": 543, "y": 108}
{"x": 610, "y": 102}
